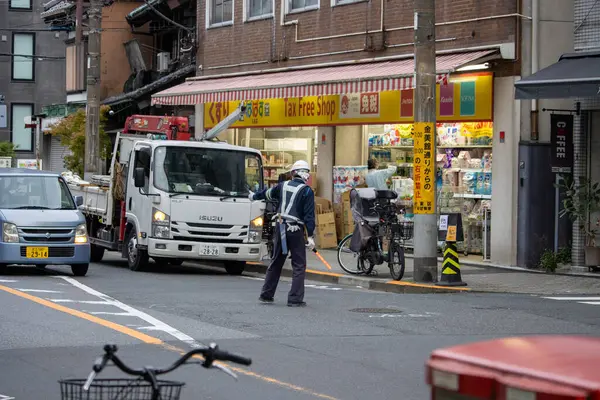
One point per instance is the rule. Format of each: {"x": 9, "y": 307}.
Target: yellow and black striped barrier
{"x": 451, "y": 267}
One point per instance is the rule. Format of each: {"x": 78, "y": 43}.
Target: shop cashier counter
{"x": 548, "y": 367}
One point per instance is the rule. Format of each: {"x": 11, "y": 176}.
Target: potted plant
{"x": 581, "y": 200}
{"x": 7, "y": 152}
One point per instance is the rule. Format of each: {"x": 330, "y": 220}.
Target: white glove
{"x": 251, "y": 196}
{"x": 311, "y": 244}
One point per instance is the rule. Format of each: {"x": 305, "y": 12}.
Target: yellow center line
{"x": 153, "y": 340}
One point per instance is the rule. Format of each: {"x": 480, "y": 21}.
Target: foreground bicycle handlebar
{"x": 210, "y": 355}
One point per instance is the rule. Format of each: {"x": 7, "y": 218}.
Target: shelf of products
{"x": 464, "y": 170}
{"x": 280, "y": 154}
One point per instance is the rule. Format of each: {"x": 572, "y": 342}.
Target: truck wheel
{"x": 96, "y": 253}
{"x": 137, "y": 259}
{"x": 80, "y": 269}
{"x": 235, "y": 267}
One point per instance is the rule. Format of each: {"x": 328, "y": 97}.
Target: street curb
{"x": 484, "y": 264}
{"x": 404, "y": 287}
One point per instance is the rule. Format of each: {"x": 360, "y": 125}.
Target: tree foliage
{"x": 71, "y": 131}
{"x": 7, "y": 149}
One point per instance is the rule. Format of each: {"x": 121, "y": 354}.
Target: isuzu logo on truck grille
{"x": 211, "y": 218}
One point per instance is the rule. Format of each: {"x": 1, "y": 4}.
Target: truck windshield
{"x": 35, "y": 192}
{"x": 206, "y": 171}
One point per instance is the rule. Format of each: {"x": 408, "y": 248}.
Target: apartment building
{"x": 32, "y": 72}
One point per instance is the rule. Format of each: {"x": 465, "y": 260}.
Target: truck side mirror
{"x": 139, "y": 177}
{"x": 78, "y": 200}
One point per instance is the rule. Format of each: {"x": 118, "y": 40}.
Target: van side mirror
{"x": 139, "y": 177}
{"x": 78, "y": 200}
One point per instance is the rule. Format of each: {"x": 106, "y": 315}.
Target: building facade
{"x": 331, "y": 81}
{"x": 32, "y": 72}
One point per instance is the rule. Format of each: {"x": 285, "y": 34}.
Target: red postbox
{"x": 548, "y": 367}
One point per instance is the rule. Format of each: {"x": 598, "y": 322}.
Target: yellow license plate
{"x": 37, "y": 252}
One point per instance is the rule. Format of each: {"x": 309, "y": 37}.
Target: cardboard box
{"x": 326, "y": 235}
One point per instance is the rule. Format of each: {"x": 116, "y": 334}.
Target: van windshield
{"x": 206, "y": 171}
{"x": 34, "y": 192}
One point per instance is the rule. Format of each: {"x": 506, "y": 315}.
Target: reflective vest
{"x": 291, "y": 206}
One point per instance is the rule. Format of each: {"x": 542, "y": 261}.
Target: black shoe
{"x": 265, "y": 299}
{"x": 300, "y": 304}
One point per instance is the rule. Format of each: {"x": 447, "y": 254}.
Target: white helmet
{"x": 300, "y": 165}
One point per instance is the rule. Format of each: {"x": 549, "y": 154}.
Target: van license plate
{"x": 209, "y": 250}
{"x": 37, "y": 252}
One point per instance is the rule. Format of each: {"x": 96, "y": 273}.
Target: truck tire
{"x": 235, "y": 267}
{"x": 80, "y": 269}
{"x": 96, "y": 253}
{"x": 137, "y": 259}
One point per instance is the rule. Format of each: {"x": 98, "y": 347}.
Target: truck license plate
{"x": 209, "y": 250}
{"x": 37, "y": 252}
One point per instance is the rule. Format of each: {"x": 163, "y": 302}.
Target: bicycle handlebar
{"x": 210, "y": 354}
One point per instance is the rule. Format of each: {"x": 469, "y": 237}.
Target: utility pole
{"x": 425, "y": 232}
{"x": 92, "y": 121}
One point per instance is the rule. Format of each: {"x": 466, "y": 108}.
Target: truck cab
{"x": 189, "y": 200}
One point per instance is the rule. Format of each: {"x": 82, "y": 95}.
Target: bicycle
{"x": 385, "y": 225}
{"x": 146, "y": 386}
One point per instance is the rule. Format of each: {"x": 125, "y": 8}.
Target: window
{"x": 75, "y": 62}
{"x": 256, "y": 9}
{"x": 19, "y": 5}
{"x": 343, "y": 2}
{"x": 23, "y": 64}
{"x": 45, "y": 192}
{"x": 142, "y": 160}
{"x": 302, "y": 5}
{"x": 20, "y": 136}
{"x": 220, "y": 12}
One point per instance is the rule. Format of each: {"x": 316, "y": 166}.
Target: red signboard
{"x": 172, "y": 126}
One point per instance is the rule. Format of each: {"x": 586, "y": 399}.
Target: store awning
{"x": 354, "y": 78}
{"x": 574, "y": 75}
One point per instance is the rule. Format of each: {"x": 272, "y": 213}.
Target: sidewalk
{"x": 479, "y": 278}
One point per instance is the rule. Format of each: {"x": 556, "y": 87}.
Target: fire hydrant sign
{"x": 424, "y": 168}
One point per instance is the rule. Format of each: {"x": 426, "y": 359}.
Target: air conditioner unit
{"x": 163, "y": 61}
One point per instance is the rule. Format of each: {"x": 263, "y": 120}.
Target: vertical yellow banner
{"x": 424, "y": 164}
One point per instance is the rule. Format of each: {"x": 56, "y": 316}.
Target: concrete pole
{"x": 92, "y": 122}
{"x": 425, "y": 232}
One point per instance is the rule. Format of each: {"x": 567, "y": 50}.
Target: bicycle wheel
{"x": 396, "y": 261}
{"x": 352, "y": 262}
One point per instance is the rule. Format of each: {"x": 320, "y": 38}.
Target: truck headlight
{"x": 10, "y": 234}
{"x": 81, "y": 234}
{"x": 161, "y": 224}
{"x": 255, "y": 232}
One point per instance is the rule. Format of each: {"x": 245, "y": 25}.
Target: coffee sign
{"x": 561, "y": 131}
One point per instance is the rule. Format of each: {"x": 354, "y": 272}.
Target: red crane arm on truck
{"x": 174, "y": 128}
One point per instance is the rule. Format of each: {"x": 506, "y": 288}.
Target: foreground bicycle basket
{"x": 118, "y": 389}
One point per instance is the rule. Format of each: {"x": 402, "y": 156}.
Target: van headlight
{"x": 10, "y": 234}
{"x": 81, "y": 234}
{"x": 161, "y": 224}
{"x": 255, "y": 232}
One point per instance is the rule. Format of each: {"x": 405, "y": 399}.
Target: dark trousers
{"x": 297, "y": 249}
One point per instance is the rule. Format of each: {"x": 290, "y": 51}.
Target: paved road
{"x": 347, "y": 344}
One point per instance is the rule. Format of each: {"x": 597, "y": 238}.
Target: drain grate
{"x": 376, "y": 310}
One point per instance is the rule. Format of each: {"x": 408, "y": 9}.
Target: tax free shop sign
{"x": 467, "y": 97}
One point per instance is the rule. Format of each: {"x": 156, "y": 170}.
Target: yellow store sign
{"x": 465, "y": 98}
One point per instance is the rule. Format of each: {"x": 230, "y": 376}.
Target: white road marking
{"x": 594, "y": 303}
{"x": 5, "y": 397}
{"x": 125, "y": 314}
{"x": 400, "y": 316}
{"x": 7, "y": 281}
{"x": 159, "y": 325}
{"x": 323, "y": 287}
{"x": 79, "y": 301}
{"x": 38, "y": 290}
{"x": 253, "y": 278}
{"x": 573, "y": 298}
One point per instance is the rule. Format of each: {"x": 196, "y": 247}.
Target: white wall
{"x": 505, "y": 172}
{"x": 349, "y": 145}
{"x": 555, "y": 39}
{"x": 326, "y": 154}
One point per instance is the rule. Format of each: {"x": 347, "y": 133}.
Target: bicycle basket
{"x": 404, "y": 229}
{"x": 118, "y": 389}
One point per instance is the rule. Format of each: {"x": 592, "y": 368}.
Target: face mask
{"x": 305, "y": 175}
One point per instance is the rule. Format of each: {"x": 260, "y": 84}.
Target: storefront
{"x": 338, "y": 126}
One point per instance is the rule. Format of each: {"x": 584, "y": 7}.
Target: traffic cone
{"x": 451, "y": 267}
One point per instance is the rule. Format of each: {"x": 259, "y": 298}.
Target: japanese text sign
{"x": 424, "y": 168}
